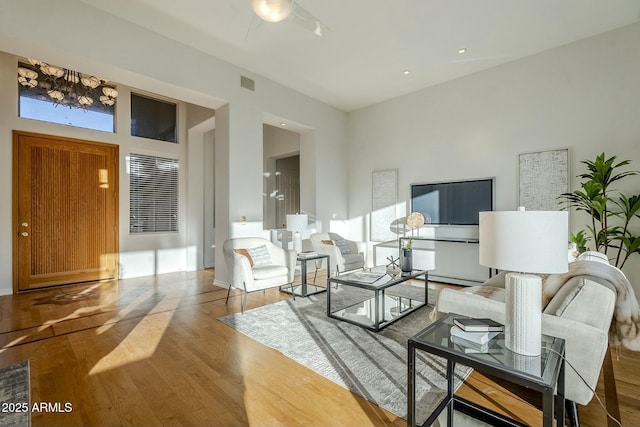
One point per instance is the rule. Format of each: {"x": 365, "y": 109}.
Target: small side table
{"x": 544, "y": 373}
{"x": 305, "y": 289}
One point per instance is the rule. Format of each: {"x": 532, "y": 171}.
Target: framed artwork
{"x": 384, "y": 198}
{"x": 542, "y": 177}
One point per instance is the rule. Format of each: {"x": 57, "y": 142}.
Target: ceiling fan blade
{"x": 308, "y": 21}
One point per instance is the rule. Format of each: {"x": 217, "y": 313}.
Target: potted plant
{"x": 611, "y": 212}
{"x": 406, "y": 261}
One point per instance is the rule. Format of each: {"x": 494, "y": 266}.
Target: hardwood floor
{"x": 150, "y": 351}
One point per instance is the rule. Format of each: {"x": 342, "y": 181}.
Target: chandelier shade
{"x": 272, "y": 10}
{"x": 63, "y": 86}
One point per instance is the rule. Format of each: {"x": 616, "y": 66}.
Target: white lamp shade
{"x": 524, "y": 241}
{"x": 297, "y": 222}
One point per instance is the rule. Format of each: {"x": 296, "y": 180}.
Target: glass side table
{"x": 305, "y": 289}
{"x": 544, "y": 373}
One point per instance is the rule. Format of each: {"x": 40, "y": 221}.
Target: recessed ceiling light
{"x": 406, "y": 72}
{"x": 283, "y": 124}
{"x": 462, "y": 50}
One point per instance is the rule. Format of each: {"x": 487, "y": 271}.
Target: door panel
{"x": 65, "y": 211}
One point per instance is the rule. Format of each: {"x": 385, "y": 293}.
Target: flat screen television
{"x": 453, "y": 203}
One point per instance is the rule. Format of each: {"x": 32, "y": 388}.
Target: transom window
{"x": 152, "y": 118}
{"x": 60, "y": 95}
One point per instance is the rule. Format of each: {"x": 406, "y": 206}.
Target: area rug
{"x": 372, "y": 365}
{"x": 14, "y": 395}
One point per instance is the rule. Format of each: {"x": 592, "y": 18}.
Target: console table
{"x": 450, "y": 259}
{"x": 543, "y": 373}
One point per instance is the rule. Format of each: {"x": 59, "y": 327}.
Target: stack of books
{"x": 475, "y": 335}
{"x": 307, "y": 254}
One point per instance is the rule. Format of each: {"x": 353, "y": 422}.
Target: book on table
{"x": 478, "y": 325}
{"x": 472, "y": 347}
{"x": 476, "y": 337}
{"x": 307, "y": 254}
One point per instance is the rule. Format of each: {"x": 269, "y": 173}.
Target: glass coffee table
{"x": 544, "y": 373}
{"x": 373, "y": 299}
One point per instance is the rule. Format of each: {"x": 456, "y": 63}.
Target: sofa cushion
{"x": 260, "y": 255}
{"x": 269, "y": 271}
{"x": 343, "y": 245}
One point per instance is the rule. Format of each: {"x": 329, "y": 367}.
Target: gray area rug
{"x": 15, "y": 402}
{"x": 373, "y": 365}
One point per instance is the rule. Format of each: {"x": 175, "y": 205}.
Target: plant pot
{"x": 406, "y": 260}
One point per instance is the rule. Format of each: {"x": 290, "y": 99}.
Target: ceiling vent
{"x": 247, "y": 83}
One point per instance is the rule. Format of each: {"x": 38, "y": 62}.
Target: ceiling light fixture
{"x": 406, "y": 72}
{"x": 462, "y": 50}
{"x": 63, "y": 86}
{"x": 272, "y": 10}
{"x": 283, "y": 124}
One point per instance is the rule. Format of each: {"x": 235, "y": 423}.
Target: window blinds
{"x": 153, "y": 206}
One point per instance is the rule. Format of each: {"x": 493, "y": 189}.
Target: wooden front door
{"x": 65, "y": 211}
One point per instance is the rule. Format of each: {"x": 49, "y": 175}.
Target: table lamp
{"x": 524, "y": 242}
{"x": 297, "y": 223}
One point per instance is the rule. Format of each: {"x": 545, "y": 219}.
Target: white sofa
{"x": 271, "y": 265}
{"x": 344, "y": 254}
{"x": 579, "y": 314}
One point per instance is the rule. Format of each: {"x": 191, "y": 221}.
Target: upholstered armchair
{"x": 344, "y": 254}
{"x": 256, "y": 264}
{"x": 579, "y": 312}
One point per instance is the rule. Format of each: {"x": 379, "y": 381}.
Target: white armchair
{"x": 256, "y": 264}
{"x": 344, "y": 254}
{"x": 580, "y": 314}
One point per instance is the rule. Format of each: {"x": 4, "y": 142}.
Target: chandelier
{"x": 272, "y": 10}
{"x": 63, "y": 86}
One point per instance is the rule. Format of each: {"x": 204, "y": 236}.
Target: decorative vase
{"x": 406, "y": 262}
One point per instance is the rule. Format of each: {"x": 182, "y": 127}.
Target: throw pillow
{"x": 244, "y": 252}
{"x": 260, "y": 256}
{"x": 343, "y": 245}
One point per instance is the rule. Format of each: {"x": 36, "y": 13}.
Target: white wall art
{"x": 384, "y": 196}
{"x": 542, "y": 177}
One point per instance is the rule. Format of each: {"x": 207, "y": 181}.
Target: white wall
{"x": 584, "y": 96}
{"x": 140, "y": 58}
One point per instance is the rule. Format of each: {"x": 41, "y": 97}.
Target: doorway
{"x": 288, "y": 189}
{"x": 65, "y": 211}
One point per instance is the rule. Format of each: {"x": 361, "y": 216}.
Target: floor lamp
{"x": 524, "y": 242}
{"x": 297, "y": 223}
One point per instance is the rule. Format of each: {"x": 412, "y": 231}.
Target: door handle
{"x": 24, "y": 234}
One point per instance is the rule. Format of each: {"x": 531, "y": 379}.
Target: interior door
{"x": 289, "y": 189}
{"x": 65, "y": 211}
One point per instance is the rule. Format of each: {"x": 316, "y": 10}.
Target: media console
{"x": 450, "y": 253}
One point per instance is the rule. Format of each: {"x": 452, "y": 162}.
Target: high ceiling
{"x": 361, "y": 61}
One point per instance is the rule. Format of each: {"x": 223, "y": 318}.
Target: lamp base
{"x": 523, "y": 314}
{"x": 297, "y": 242}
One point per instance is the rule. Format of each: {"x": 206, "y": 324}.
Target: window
{"x": 151, "y": 118}
{"x": 62, "y": 96}
{"x": 153, "y": 195}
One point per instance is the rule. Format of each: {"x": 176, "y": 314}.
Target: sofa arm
{"x": 335, "y": 256}
{"x": 585, "y": 345}
{"x": 362, "y": 249}
{"x": 241, "y": 274}
{"x": 291, "y": 261}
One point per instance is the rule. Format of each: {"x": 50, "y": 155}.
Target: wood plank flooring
{"x": 150, "y": 351}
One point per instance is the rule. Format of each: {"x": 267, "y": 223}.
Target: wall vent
{"x": 247, "y": 83}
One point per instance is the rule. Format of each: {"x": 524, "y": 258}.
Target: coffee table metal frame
{"x": 302, "y": 289}
{"x": 378, "y": 288}
{"x": 436, "y": 339}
